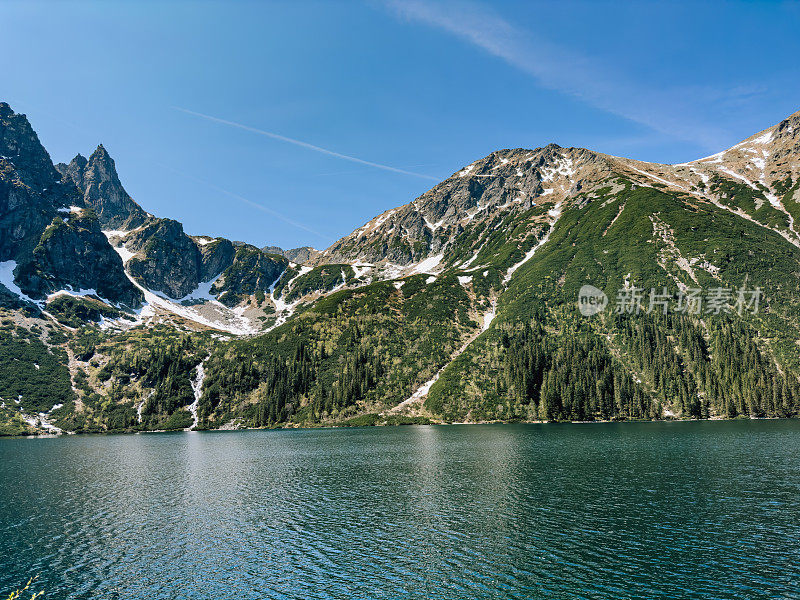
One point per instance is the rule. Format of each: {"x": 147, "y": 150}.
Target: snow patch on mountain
{"x": 657, "y": 178}
{"x": 736, "y": 175}
{"x": 76, "y": 294}
{"x": 563, "y": 166}
{"x": 466, "y": 171}
{"x": 433, "y": 226}
{"x": 467, "y": 263}
{"x": 554, "y": 212}
{"x": 361, "y": 269}
{"x": 705, "y": 178}
{"x": 211, "y": 313}
{"x": 202, "y": 293}
{"x": 41, "y": 421}
{"x": 761, "y": 140}
{"x": 70, "y": 210}
{"x": 428, "y": 265}
{"x": 7, "y": 279}
{"x": 284, "y": 310}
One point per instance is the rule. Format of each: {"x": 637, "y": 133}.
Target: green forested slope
{"x": 542, "y": 359}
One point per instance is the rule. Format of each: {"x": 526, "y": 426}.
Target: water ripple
{"x": 673, "y": 510}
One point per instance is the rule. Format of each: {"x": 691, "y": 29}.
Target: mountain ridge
{"x": 458, "y": 306}
{"x": 102, "y": 190}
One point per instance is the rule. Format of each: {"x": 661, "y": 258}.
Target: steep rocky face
{"x": 252, "y": 270}
{"x": 216, "y": 255}
{"x": 73, "y": 254}
{"x": 24, "y": 213}
{"x": 74, "y": 170}
{"x": 455, "y": 218}
{"x": 54, "y": 243}
{"x": 300, "y": 255}
{"x": 30, "y": 192}
{"x": 20, "y": 145}
{"x": 166, "y": 259}
{"x": 102, "y": 190}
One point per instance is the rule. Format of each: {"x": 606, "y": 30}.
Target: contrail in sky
{"x": 247, "y": 201}
{"x": 303, "y": 144}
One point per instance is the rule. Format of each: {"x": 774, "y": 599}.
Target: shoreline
{"x": 367, "y": 426}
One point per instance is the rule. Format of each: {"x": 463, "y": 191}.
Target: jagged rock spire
{"x": 102, "y": 190}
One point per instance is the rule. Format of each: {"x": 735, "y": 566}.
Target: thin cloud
{"x": 665, "y": 110}
{"x": 303, "y": 144}
{"x": 249, "y": 202}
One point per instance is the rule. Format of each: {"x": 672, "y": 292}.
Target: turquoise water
{"x": 634, "y": 510}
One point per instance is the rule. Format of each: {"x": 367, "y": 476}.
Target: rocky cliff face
{"x": 53, "y": 242}
{"x": 102, "y": 190}
{"x": 456, "y": 219}
{"x": 216, "y": 255}
{"x": 73, "y": 254}
{"x": 300, "y": 255}
{"x": 166, "y": 259}
{"x": 20, "y": 145}
{"x": 30, "y": 192}
{"x": 251, "y": 271}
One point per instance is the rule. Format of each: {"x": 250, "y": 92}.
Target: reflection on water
{"x": 649, "y": 510}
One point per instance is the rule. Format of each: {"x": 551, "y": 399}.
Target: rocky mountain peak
{"x": 791, "y": 122}
{"x": 479, "y": 196}
{"x": 79, "y": 162}
{"x": 20, "y": 146}
{"x": 52, "y": 242}
{"x": 101, "y": 160}
{"x": 102, "y": 190}
{"x": 73, "y": 172}
{"x": 30, "y": 193}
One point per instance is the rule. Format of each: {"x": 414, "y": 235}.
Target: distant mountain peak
{"x": 102, "y": 190}
{"x": 100, "y": 153}
{"x": 503, "y": 183}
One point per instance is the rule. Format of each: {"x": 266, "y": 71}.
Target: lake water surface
{"x": 633, "y": 510}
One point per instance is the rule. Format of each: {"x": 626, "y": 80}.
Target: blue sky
{"x": 292, "y": 123}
